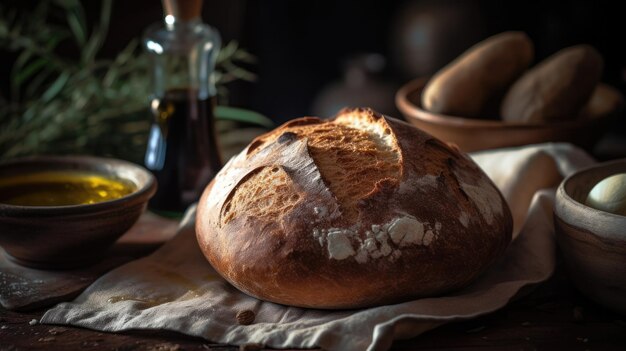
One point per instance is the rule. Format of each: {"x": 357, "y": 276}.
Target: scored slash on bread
{"x": 344, "y": 151}
{"x": 356, "y": 211}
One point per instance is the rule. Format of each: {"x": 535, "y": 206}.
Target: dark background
{"x": 304, "y": 48}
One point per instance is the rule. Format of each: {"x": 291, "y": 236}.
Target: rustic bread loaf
{"x": 357, "y": 211}
{"x": 474, "y": 83}
{"x": 556, "y": 89}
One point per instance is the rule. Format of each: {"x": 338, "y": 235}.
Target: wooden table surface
{"x": 555, "y": 316}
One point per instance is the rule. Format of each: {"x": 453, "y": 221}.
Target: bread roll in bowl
{"x": 357, "y": 211}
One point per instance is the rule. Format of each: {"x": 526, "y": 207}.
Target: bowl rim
{"x": 414, "y": 111}
{"x": 565, "y": 203}
{"x": 141, "y": 194}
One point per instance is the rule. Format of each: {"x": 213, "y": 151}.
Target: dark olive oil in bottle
{"x": 182, "y": 150}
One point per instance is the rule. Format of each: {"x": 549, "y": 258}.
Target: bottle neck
{"x": 173, "y": 23}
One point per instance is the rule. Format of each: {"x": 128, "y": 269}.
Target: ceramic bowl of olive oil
{"x": 61, "y": 212}
{"x": 590, "y": 223}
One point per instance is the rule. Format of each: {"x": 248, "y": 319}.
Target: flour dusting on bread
{"x": 486, "y": 198}
{"x": 379, "y": 240}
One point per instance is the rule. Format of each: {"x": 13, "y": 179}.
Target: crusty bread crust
{"x": 357, "y": 211}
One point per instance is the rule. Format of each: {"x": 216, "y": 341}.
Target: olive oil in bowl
{"x": 61, "y": 212}
{"x": 62, "y": 188}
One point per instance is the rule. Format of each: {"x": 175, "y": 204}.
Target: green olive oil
{"x": 61, "y": 188}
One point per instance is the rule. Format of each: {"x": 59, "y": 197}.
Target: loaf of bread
{"x": 556, "y": 89}
{"x": 357, "y": 211}
{"x": 474, "y": 83}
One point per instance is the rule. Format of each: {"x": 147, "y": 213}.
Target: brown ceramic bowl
{"x": 593, "y": 242}
{"x": 472, "y": 134}
{"x": 57, "y": 237}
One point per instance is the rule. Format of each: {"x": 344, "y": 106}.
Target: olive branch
{"x": 87, "y": 104}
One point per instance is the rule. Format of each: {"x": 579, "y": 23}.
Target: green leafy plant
{"x": 87, "y": 104}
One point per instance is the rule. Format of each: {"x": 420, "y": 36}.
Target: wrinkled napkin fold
{"x": 176, "y": 289}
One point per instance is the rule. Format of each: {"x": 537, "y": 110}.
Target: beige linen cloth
{"x": 176, "y": 289}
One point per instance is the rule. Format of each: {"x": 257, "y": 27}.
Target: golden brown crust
{"x": 426, "y": 222}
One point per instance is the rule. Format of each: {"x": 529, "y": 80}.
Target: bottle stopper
{"x": 182, "y": 10}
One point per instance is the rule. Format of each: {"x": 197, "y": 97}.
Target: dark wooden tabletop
{"x": 554, "y": 316}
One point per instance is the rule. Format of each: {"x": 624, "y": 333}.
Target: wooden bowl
{"x": 472, "y": 134}
{"x": 59, "y": 237}
{"x": 593, "y": 242}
